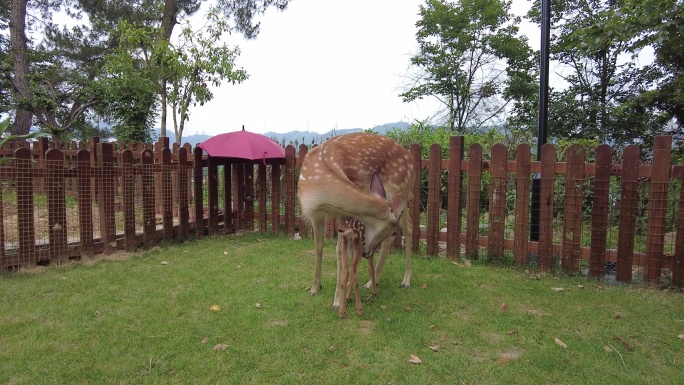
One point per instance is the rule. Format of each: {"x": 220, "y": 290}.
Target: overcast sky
{"x": 324, "y": 64}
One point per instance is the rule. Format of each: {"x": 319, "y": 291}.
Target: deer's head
{"x": 379, "y": 229}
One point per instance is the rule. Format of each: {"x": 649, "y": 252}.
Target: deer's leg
{"x": 318, "y": 226}
{"x": 407, "y": 231}
{"x": 341, "y": 255}
{"x": 373, "y": 283}
{"x": 355, "y": 278}
{"x": 384, "y": 252}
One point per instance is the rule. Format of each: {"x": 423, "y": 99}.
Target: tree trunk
{"x": 18, "y": 41}
{"x": 167, "y": 24}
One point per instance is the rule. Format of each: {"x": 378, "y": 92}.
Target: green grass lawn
{"x": 146, "y": 319}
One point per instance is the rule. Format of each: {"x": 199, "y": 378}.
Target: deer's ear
{"x": 376, "y": 187}
{"x": 398, "y": 205}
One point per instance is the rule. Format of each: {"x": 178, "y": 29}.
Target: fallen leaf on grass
{"x": 504, "y": 359}
{"x": 205, "y": 340}
{"x": 681, "y": 336}
{"x": 164, "y": 263}
{"x": 220, "y": 347}
{"x": 511, "y": 332}
{"x": 423, "y": 286}
{"x": 580, "y": 286}
{"x": 504, "y": 308}
{"x": 258, "y": 305}
{"x": 557, "y": 288}
{"x": 214, "y": 308}
{"x": 560, "y": 343}
{"x": 434, "y": 348}
{"x": 599, "y": 286}
{"x": 383, "y": 307}
{"x": 456, "y": 263}
{"x": 225, "y": 253}
{"x": 608, "y": 349}
{"x": 467, "y": 263}
{"x": 414, "y": 360}
{"x": 407, "y": 308}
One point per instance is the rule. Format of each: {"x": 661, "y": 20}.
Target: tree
{"x": 58, "y": 82}
{"x": 18, "y": 49}
{"x": 240, "y": 12}
{"x": 607, "y": 94}
{"x": 197, "y": 61}
{"x": 463, "y": 50}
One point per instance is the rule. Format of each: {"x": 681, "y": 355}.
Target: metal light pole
{"x": 543, "y": 113}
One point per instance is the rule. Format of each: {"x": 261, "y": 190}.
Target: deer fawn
{"x": 334, "y": 182}
{"x": 352, "y": 235}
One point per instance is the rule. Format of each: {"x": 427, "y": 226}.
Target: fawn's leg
{"x": 343, "y": 277}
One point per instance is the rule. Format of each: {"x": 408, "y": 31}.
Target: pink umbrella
{"x": 244, "y": 145}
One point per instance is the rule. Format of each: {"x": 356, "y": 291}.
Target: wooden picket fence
{"x": 62, "y": 201}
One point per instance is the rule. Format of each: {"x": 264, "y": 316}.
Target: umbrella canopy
{"x": 242, "y": 144}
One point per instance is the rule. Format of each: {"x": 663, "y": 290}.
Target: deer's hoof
{"x": 313, "y": 292}
{"x": 404, "y": 286}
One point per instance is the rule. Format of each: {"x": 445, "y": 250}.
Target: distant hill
{"x": 194, "y": 140}
{"x": 306, "y": 137}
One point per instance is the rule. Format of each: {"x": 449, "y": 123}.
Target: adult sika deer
{"x": 364, "y": 176}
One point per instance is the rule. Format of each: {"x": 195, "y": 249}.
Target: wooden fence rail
{"x": 68, "y": 200}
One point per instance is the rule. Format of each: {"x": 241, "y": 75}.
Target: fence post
{"x": 105, "y": 165}
{"x": 199, "y": 192}
{"x": 148, "y": 197}
{"x": 497, "y": 201}
{"x": 2, "y": 220}
{"x": 290, "y": 192}
{"x": 473, "y": 206}
{"x": 275, "y": 198}
{"x": 43, "y": 146}
{"x": 522, "y": 204}
{"x": 414, "y": 206}
{"x": 629, "y": 203}
{"x": 262, "y": 197}
{"x": 212, "y": 182}
{"x": 128, "y": 195}
{"x": 227, "y": 197}
{"x": 167, "y": 194}
{"x": 454, "y": 198}
{"x": 434, "y": 179}
{"x": 92, "y": 147}
{"x": 678, "y": 260}
{"x": 599, "y": 214}
{"x": 547, "y": 182}
{"x": 183, "y": 213}
{"x": 57, "y": 223}
{"x": 25, "y": 211}
{"x": 85, "y": 203}
{"x": 249, "y": 195}
{"x": 657, "y": 210}
{"x": 572, "y": 226}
